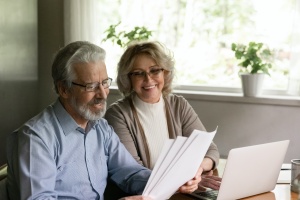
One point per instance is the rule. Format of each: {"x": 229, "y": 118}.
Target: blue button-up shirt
{"x": 51, "y": 157}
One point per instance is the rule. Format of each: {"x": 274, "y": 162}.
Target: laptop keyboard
{"x": 207, "y": 195}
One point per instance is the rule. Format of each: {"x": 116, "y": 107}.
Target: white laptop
{"x": 250, "y": 171}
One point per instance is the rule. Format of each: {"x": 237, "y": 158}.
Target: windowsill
{"x": 233, "y": 97}
{"x": 239, "y": 98}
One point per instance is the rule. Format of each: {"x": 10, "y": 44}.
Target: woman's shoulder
{"x": 175, "y": 99}
{"x": 121, "y": 105}
{"x": 177, "y": 103}
{"x": 123, "y": 102}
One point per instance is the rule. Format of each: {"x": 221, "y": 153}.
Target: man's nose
{"x": 102, "y": 92}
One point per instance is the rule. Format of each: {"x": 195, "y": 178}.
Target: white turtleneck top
{"x": 153, "y": 120}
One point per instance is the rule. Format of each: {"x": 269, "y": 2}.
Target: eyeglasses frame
{"x": 107, "y": 81}
{"x": 145, "y": 73}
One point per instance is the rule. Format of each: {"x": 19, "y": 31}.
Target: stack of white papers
{"x": 178, "y": 163}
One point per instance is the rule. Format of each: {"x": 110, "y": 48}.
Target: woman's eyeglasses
{"x": 153, "y": 73}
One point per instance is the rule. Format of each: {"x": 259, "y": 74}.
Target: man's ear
{"x": 63, "y": 91}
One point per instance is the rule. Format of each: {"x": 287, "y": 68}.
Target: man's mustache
{"x": 99, "y": 101}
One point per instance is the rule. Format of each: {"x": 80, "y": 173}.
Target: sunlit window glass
{"x": 200, "y": 34}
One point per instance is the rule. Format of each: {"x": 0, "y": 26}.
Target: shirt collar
{"x": 67, "y": 123}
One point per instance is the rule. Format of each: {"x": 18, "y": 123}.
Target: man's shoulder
{"x": 46, "y": 115}
{"x": 40, "y": 123}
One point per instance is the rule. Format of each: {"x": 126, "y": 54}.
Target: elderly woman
{"x": 149, "y": 114}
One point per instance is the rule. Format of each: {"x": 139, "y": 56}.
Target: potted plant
{"x": 123, "y": 38}
{"x": 255, "y": 62}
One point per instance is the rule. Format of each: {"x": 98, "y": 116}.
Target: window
{"x": 200, "y": 33}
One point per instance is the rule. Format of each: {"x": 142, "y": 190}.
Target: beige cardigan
{"x": 181, "y": 117}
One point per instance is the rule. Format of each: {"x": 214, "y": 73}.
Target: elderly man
{"x": 68, "y": 151}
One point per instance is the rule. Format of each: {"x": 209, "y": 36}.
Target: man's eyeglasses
{"x": 153, "y": 73}
{"x": 92, "y": 87}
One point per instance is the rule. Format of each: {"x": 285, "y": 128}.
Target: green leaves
{"x": 255, "y": 57}
{"x": 123, "y": 38}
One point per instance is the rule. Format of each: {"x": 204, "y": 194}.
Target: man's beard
{"x": 86, "y": 113}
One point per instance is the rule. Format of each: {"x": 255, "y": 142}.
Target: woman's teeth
{"x": 149, "y": 87}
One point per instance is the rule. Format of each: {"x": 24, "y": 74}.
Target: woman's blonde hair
{"x": 158, "y": 52}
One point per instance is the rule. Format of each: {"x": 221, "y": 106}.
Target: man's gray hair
{"x": 66, "y": 57}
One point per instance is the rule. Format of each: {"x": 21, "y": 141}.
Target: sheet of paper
{"x": 178, "y": 151}
{"x": 184, "y": 168}
{"x": 182, "y": 165}
{"x": 163, "y": 162}
{"x": 158, "y": 163}
{"x": 163, "y": 154}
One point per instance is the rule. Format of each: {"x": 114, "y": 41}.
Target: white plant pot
{"x": 252, "y": 84}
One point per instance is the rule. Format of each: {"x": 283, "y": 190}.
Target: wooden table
{"x": 281, "y": 191}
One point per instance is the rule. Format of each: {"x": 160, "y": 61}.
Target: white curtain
{"x": 294, "y": 76}
{"x": 79, "y": 20}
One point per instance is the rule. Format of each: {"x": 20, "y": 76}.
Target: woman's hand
{"x": 207, "y": 164}
{"x": 208, "y": 180}
{"x": 192, "y": 185}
